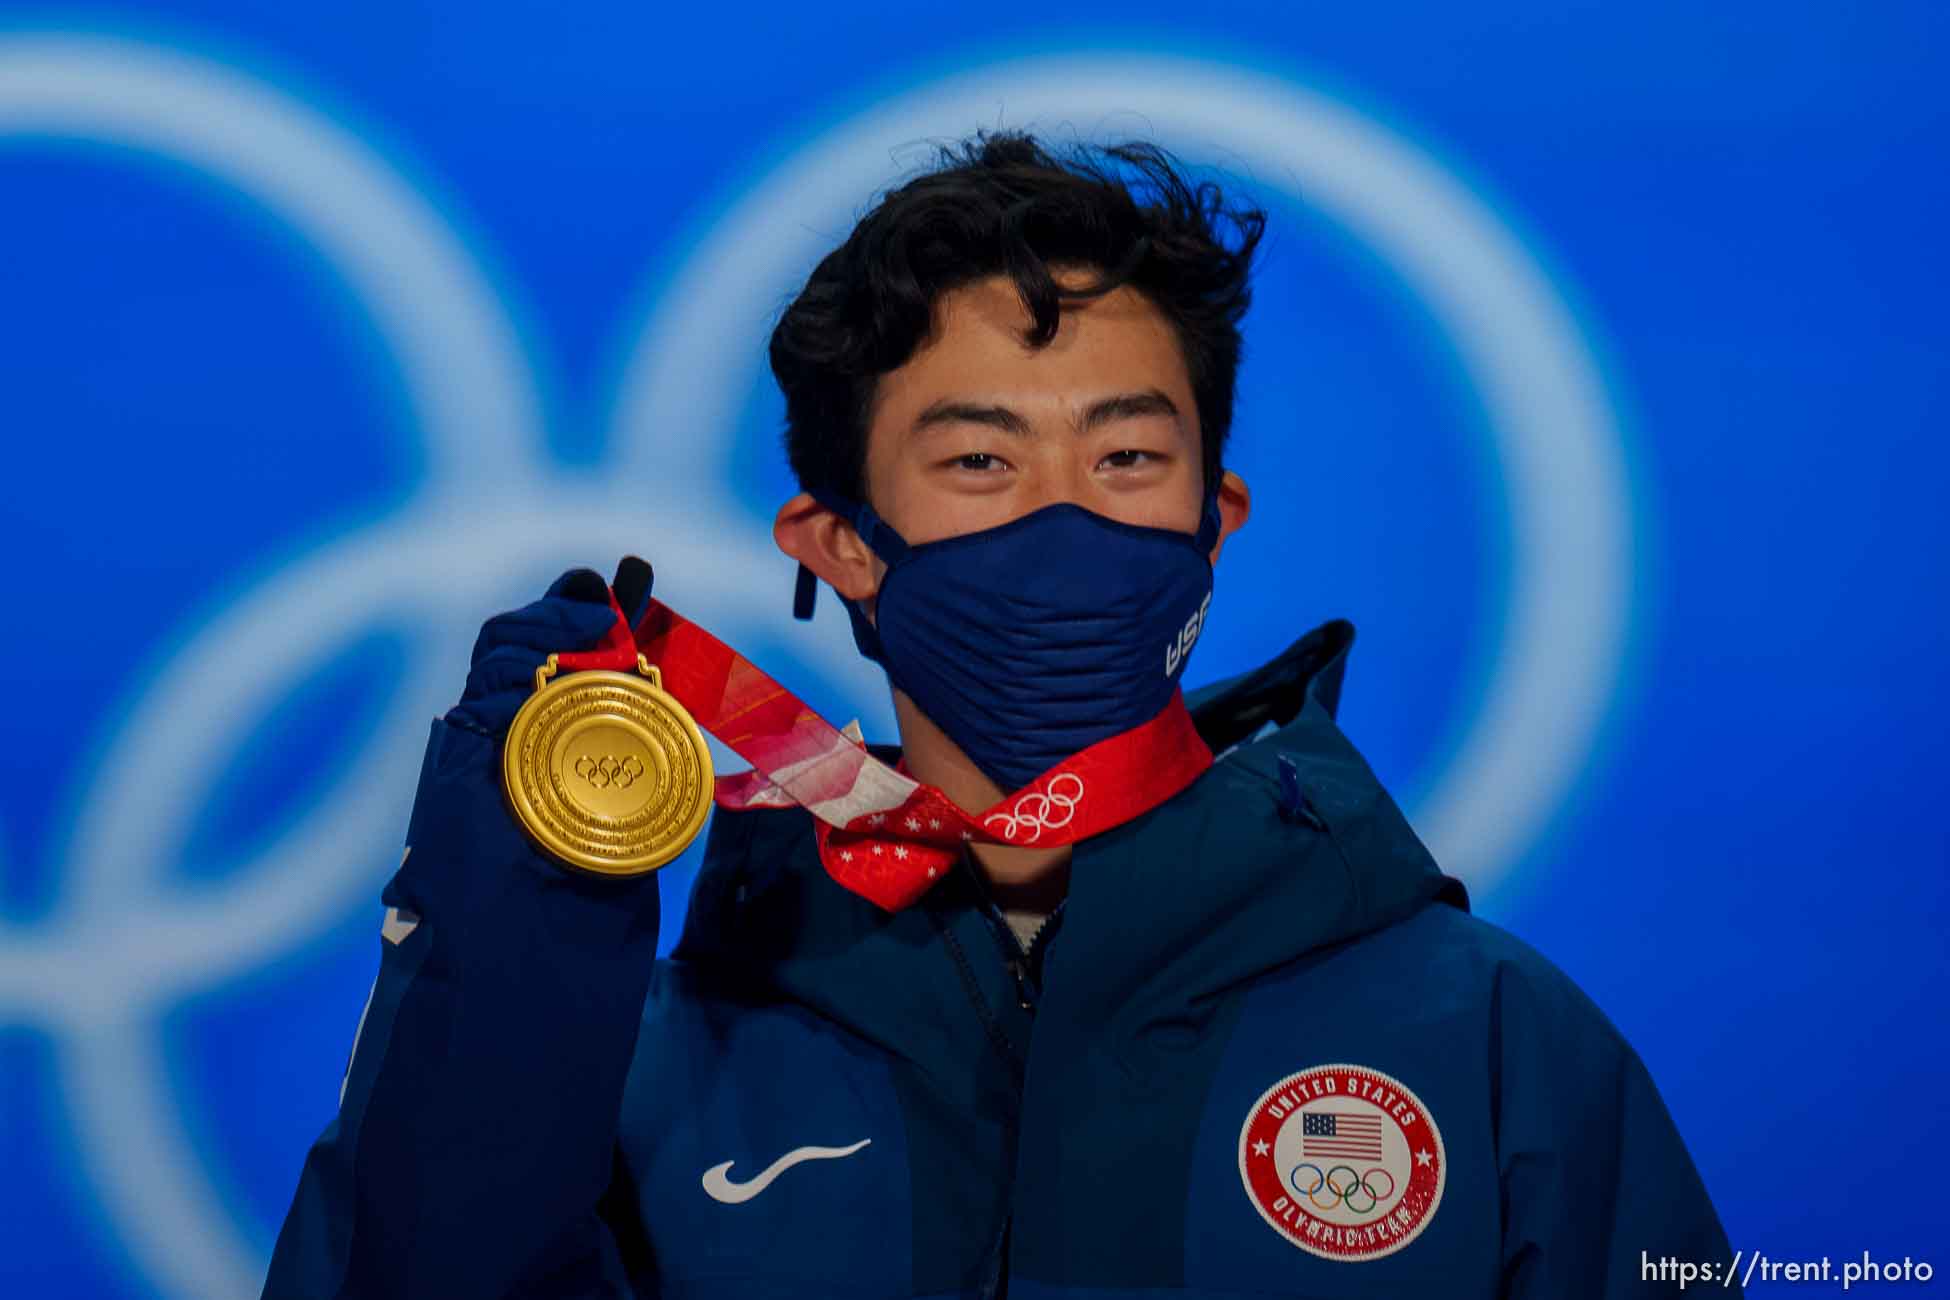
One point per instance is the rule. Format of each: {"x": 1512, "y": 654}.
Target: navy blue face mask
{"x": 1031, "y": 641}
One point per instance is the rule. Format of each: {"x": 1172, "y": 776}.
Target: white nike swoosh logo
{"x": 719, "y": 1187}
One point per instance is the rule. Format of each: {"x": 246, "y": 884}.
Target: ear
{"x": 1235, "y": 508}
{"x": 825, "y": 543}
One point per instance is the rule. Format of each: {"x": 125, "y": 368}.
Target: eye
{"x": 979, "y": 461}
{"x": 1128, "y": 458}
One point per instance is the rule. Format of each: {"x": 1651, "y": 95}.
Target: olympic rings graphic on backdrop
{"x": 1342, "y": 1194}
{"x": 120, "y": 946}
{"x": 1033, "y": 809}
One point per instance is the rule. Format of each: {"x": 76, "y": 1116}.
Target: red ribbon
{"x": 882, "y": 834}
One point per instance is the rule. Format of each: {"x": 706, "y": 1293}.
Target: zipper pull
{"x": 1021, "y": 972}
{"x": 1294, "y": 804}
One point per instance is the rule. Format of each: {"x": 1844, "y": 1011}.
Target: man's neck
{"x": 1019, "y": 879}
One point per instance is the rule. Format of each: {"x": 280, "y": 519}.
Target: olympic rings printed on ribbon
{"x": 1356, "y": 1186}
{"x": 1033, "y": 810}
{"x": 609, "y": 770}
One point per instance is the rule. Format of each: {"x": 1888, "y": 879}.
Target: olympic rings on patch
{"x": 1346, "y": 1193}
{"x": 1356, "y": 1183}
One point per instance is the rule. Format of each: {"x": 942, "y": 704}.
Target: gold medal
{"x": 606, "y": 771}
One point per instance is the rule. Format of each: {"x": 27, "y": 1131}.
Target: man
{"x": 1156, "y": 1021}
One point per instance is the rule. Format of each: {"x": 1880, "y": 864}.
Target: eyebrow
{"x": 1122, "y": 406}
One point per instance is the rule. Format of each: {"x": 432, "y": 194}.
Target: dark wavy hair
{"x": 1001, "y": 203}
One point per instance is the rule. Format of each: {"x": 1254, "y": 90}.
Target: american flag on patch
{"x": 1336, "y": 1135}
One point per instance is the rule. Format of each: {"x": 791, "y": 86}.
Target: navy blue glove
{"x": 573, "y": 616}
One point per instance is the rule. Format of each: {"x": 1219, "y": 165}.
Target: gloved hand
{"x": 573, "y": 616}
{"x": 503, "y": 978}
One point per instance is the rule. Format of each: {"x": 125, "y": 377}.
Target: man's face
{"x": 977, "y": 428}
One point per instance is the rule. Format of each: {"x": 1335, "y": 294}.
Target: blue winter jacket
{"x": 815, "y": 1098}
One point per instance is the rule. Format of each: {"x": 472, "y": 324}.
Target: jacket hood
{"x": 1287, "y": 847}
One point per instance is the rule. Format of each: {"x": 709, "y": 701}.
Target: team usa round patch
{"x": 1345, "y": 1162}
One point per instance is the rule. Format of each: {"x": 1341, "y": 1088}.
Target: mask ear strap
{"x": 879, "y": 536}
{"x": 1209, "y": 523}
{"x": 804, "y": 592}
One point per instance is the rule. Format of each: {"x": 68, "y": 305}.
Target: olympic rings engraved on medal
{"x": 1033, "y": 809}
{"x": 609, "y": 770}
{"x": 613, "y": 837}
{"x": 1343, "y": 1194}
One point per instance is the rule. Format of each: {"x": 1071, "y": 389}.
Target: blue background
{"x": 1742, "y": 205}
